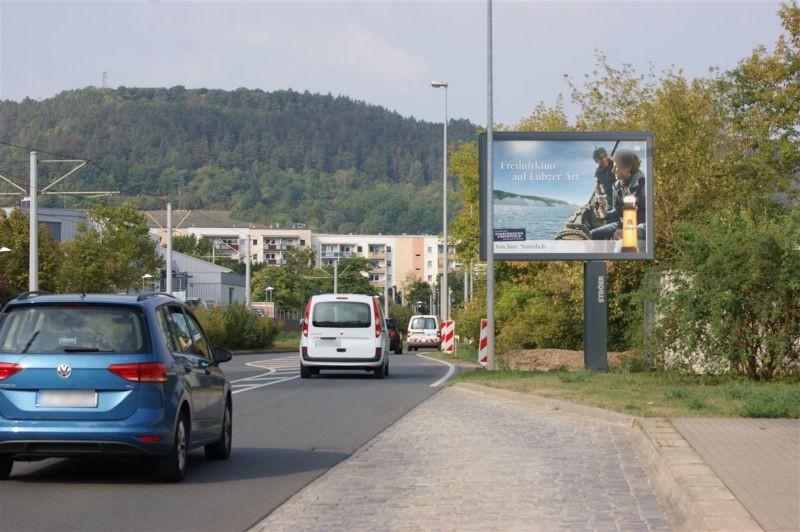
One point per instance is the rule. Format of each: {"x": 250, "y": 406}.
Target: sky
{"x": 384, "y": 53}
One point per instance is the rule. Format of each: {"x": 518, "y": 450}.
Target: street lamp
{"x": 269, "y": 293}
{"x": 4, "y": 249}
{"x": 146, "y": 278}
{"x": 445, "y": 307}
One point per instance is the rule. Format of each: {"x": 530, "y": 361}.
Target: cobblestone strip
{"x": 461, "y": 461}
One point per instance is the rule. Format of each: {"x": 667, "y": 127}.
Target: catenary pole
{"x": 168, "y": 284}
{"x": 33, "y": 213}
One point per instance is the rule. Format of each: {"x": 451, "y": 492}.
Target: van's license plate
{"x": 327, "y": 342}
{"x": 66, "y": 399}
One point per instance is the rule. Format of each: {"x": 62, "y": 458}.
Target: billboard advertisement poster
{"x": 569, "y": 196}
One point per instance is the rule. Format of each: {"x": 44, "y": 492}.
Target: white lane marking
{"x": 279, "y": 370}
{"x": 451, "y": 369}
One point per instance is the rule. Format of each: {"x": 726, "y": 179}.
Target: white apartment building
{"x": 394, "y": 256}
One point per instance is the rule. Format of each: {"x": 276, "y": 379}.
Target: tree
{"x": 764, "y": 92}
{"x": 15, "y": 264}
{"x": 110, "y": 254}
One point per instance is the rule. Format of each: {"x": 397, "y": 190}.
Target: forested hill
{"x": 278, "y": 158}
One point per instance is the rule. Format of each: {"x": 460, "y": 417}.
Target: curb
{"x": 694, "y": 498}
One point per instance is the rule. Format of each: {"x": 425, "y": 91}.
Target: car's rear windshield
{"x": 73, "y": 328}
{"x": 341, "y": 314}
{"x": 423, "y": 323}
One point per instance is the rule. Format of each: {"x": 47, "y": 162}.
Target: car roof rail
{"x": 32, "y": 293}
{"x": 148, "y": 295}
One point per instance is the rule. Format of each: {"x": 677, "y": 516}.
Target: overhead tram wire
{"x": 90, "y": 162}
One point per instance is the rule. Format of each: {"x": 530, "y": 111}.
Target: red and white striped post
{"x": 448, "y": 336}
{"x": 483, "y": 350}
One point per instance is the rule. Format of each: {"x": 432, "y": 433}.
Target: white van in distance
{"x": 423, "y": 331}
{"x": 344, "y": 331}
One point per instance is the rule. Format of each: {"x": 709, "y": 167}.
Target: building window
{"x": 430, "y": 249}
{"x": 430, "y": 264}
{"x": 417, "y": 269}
{"x": 302, "y": 242}
{"x": 417, "y": 255}
{"x": 388, "y": 263}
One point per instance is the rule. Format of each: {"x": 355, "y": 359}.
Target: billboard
{"x": 569, "y": 196}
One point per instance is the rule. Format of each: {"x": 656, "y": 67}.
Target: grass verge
{"x": 652, "y": 394}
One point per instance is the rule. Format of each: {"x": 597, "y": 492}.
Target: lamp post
{"x": 145, "y": 278}
{"x": 4, "y": 249}
{"x": 445, "y": 307}
{"x": 269, "y": 290}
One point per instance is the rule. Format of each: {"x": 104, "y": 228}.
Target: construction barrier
{"x": 448, "y": 336}
{"x": 483, "y": 351}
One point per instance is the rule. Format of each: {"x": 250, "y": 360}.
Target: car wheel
{"x": 380, "y": 371}
{"x": 172, "y": 467}
{"x": 6, "y": 463}
{"x": 305, "y": 372}
{"x": 221, "y": 449}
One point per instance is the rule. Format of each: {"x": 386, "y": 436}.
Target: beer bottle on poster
{"x": 629, "y": 238}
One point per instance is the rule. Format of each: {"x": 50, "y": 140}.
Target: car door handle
{"x": 341, "y": 349}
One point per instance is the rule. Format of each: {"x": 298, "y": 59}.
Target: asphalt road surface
{"x": 287, "y": 432}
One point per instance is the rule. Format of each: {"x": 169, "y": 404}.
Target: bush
{"x": 236, "y": 327}
{"x": 775, "y": 403}
{"x": 736, "y": 301}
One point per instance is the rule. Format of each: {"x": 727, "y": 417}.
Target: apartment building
{"x": 393, "y": 256}
{"x": 229, "y": 237}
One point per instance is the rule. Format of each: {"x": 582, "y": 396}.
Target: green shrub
{"x": 773, "y": 403}
{"x": 236, "y": 327}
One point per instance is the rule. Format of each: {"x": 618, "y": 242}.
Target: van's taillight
{"x": 7, "y": 370}
{"x": 306, "y": 318}
{"x": 377, "y": 313}
{"x": 304, "y": 352}
{"x": 147, "y": 372}
{"x": 378, "y": 351}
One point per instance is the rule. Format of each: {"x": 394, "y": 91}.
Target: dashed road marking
{"x": 278, "y": 370}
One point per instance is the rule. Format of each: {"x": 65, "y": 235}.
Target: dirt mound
{"x": 552, "y": 359}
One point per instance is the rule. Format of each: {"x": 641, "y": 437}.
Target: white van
{"x": 344, "y": 331}
{"x": 423, "y": 331}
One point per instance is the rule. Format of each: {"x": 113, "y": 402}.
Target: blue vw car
{"x": 110, "y": 375}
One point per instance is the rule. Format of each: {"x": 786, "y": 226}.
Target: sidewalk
{"x": 475, "y": 458}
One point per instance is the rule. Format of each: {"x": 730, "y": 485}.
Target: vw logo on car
{"x": 64, "y": 371}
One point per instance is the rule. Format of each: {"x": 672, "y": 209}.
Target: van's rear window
{"x": 73, "y": 328}
{"x": 423, "y": 323}
{"x": 341, "y": 314}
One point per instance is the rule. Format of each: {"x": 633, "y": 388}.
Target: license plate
{"x": 66, "y": 399}
{"x": 327, "y": 342}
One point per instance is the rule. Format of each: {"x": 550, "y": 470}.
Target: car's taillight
{"x": 304, "y": 352}
{"x": 378, "y": 351}
{"x": 377, "y": 313}
{"x": 306, "y": 318}
{"x": 147, "y": 372}
{"x": 7, "y": 370}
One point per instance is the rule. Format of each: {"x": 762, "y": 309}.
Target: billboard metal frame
{"x": 586, "y": 136}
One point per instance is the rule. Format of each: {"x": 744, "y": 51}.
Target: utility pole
{"x": 336, "y": 276}
{"x": 247, "y": 288}
{"x": 169, "y": 249}
{"x": 386, "y": 284}
{"x": 33, "y": 259}
{"x": 33, "y": 199}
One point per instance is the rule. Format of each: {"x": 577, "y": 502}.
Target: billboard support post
{"x": 595, "y": 316}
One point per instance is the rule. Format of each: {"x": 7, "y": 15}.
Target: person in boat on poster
{"x": 630, "y": 181}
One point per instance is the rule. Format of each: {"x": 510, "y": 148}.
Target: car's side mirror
{"x": 222, "y": 354}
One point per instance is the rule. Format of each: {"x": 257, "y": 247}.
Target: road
{"x": 287, "y": 432}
